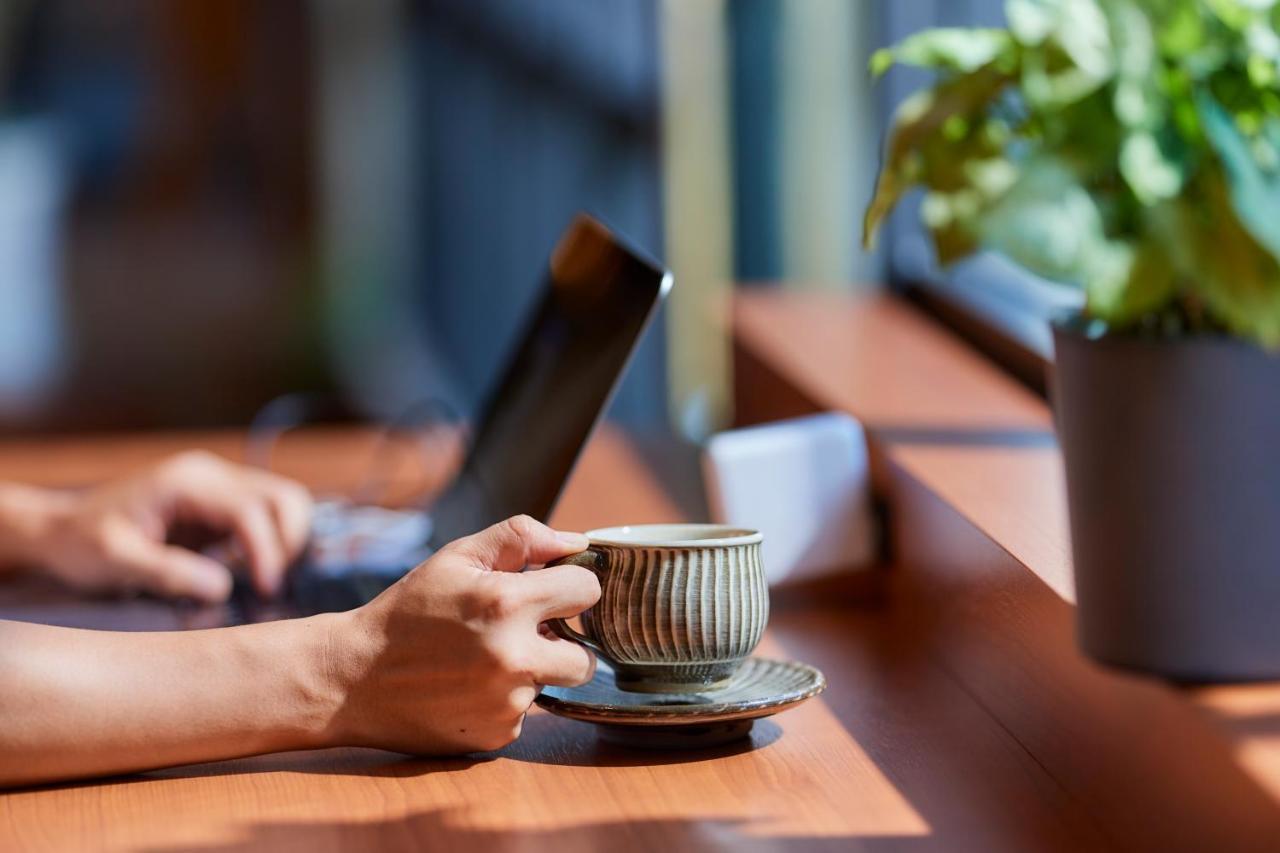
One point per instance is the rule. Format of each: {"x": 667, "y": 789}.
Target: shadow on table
{"x": 1003, "y": 437}
{"x": 450, "y": 830}
{"x": 350, "y": 762}
{"x": 548, "y": 739}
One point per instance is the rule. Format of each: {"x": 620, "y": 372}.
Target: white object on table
{"x": 805, "y": 483}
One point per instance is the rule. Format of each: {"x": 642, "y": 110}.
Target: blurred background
{"x": 206, "y": 204}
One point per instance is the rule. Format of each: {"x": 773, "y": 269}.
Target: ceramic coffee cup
{"x": 681, "y": 605}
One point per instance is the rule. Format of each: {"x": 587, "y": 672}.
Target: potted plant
{"x": 1132, "y": 147}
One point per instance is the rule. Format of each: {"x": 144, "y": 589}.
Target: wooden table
{"x": 820, "y": 773}
{"x": 959, "y": 715}
{"x": 966, "y": 461}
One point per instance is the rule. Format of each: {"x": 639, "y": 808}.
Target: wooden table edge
{"x": 940, "y": 521}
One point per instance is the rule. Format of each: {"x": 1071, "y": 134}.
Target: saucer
{"x": 759, "y": 688}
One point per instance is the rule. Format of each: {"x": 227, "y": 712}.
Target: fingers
{"x": 290, "y": 505}
{"x": 255, "y": 529}
{"x": 288, "y": 509}
{"x": 560, "y": 591}
{"x": 170, "y": 571}
{"x": 510, "y": 545}
{"x": 563, "y": 663}
{"x": 269, "y": 516}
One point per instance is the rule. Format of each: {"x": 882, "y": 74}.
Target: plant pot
{"x": 1172, "y": 452}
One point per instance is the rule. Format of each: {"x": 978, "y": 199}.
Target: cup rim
{"x": 674, "y": 536}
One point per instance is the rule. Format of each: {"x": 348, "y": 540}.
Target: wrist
{"x": 312, "y": 699}
{"x": 332, "y": 662}
{"x": 29, "y": 519}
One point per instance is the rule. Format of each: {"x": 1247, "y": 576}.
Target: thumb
{"x": 510, "y": 545}
{"x": 174, "y": 572}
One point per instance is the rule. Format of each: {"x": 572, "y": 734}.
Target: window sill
{"x": 965, "y": 458}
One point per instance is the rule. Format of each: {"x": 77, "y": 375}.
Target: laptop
{"x": 599, "y": 295}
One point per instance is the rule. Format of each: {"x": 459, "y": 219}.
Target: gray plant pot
{"x": 1172, "y": 452}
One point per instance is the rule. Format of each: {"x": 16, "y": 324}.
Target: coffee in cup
{"x": 681, "y": 605}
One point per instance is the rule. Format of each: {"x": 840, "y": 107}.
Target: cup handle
{"x": 593, "y": 559}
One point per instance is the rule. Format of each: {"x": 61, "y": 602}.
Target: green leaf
{"x": 946, "y": 48}
{"x": 1048, "y": 223}
{"x": 1030, "y": 21}
{"x": 1232, "y": 273}
{"x": 1048, "y": 90}
{"x": 992, "y": 177}
{"x": 1237, "y": 14}
{"x": 1182, "y": 31}
{"x": 1129, "y": 146}
{"x": 1137, "y": 100}
{"x": 1078, "y": 27}
{"x": 881, "y": 61}
{"x": 1085, "y": 37}
{"x": 1148, "y": 284}
{"x": 918, "y": 128}
{"x": 947, "y": 216}
{"x": 1262, "y": 71}
{"x": 1266, "y": 148}
{"x": 1262, "y": 40}
{"x": 1152, "y": 174}
{"x": 1255, "y": 194}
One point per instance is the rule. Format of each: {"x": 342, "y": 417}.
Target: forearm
{"x": 83, "y": 703}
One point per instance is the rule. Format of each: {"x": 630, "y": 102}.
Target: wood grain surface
{"x": 804, "y": 776}
{"x": 981, "y": 553}
{"x": 333, "y": 460}
{"x": 878, "y": 355}
{"x": 959, "y": 715}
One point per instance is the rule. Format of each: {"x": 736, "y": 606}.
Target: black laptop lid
{"x": 598, "y": 298}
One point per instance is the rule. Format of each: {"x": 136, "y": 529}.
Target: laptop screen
{"x": 598, "y": 298}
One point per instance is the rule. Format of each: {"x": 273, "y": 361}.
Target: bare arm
{"x": 83, "y": 703}
{"x": 447, "y": 660}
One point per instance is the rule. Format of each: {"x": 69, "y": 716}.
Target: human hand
{"x": 116, "y": 536}
{"x": 449, "y": 659}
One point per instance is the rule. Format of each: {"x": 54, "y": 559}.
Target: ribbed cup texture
{"x": 680, "y": 605}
